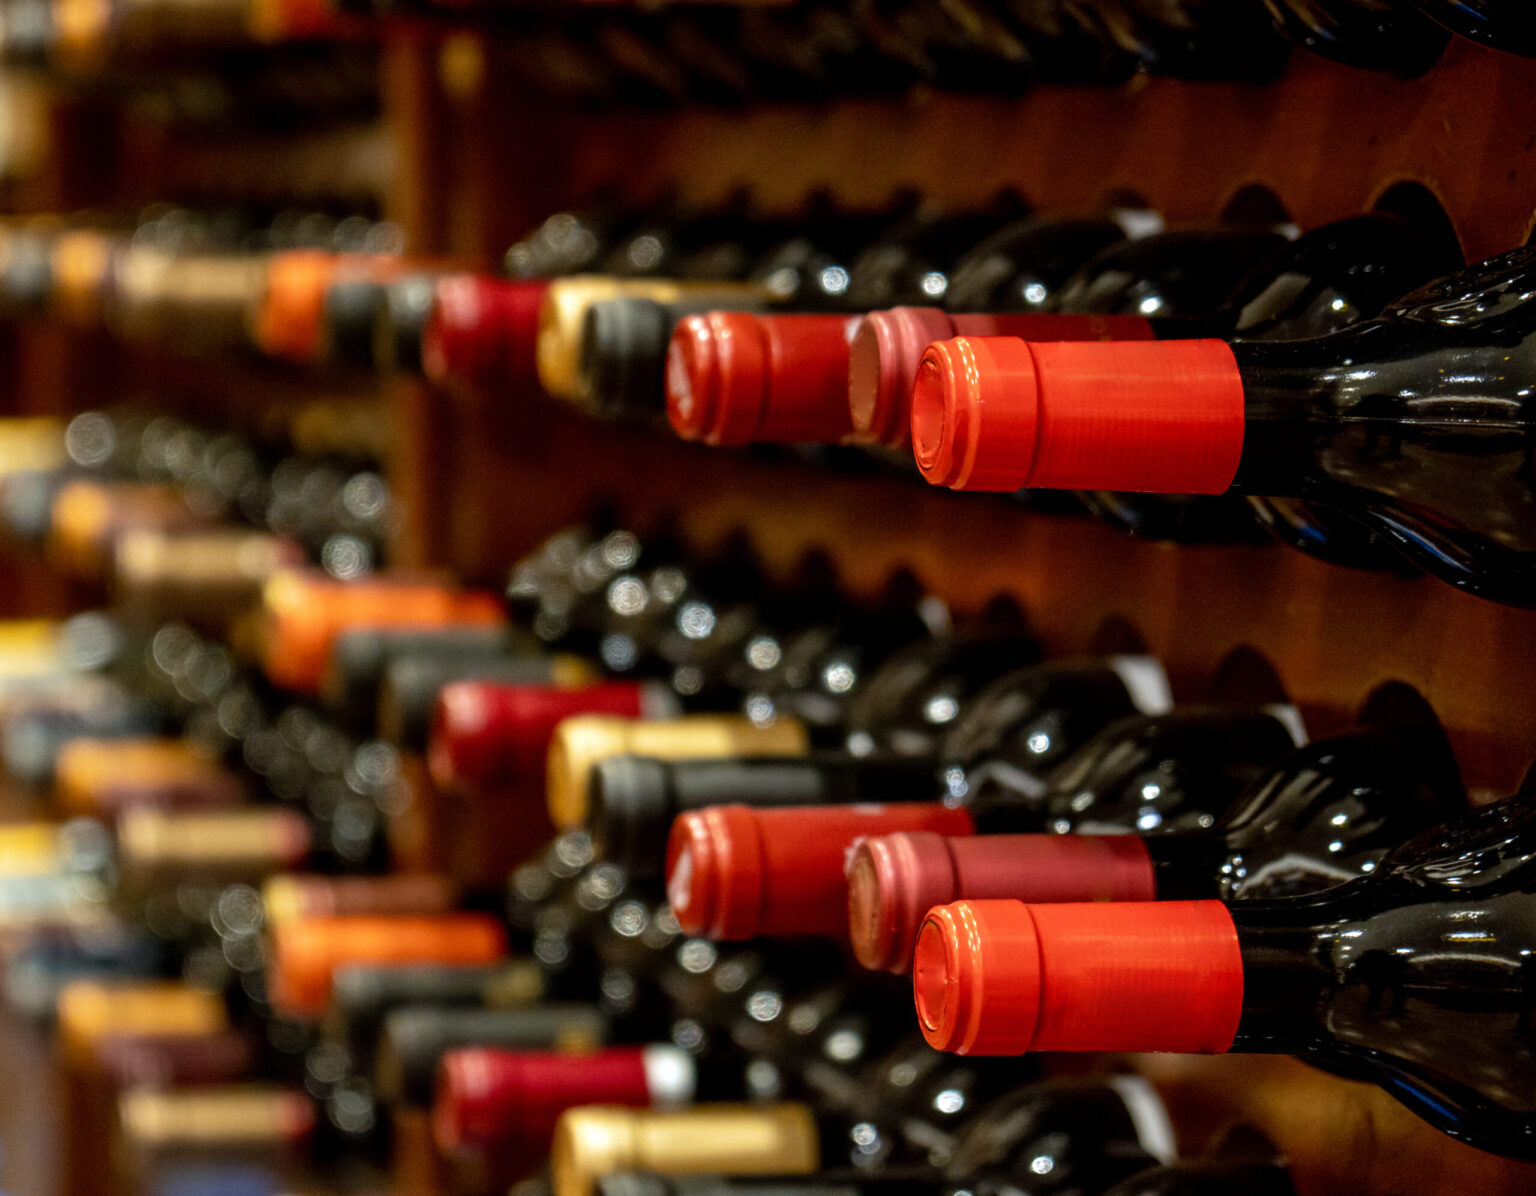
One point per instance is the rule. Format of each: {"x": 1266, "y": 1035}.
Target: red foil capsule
{"x": 482, "y": 330}
{"x": 1003, "y": 978}
{"x": 734, "y": 872}
{"x": 487, "y": 1098}
{"x": 487, "y": 735}
{"x": 894, "y": 880}
{"x": 888, "y": 347}
{"x": 738, "y": 378}
{"x": 998, "y": 413}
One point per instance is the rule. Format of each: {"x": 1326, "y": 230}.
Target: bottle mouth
{"x": 693, "y": 378}
{"x": 931, "y": 417}
{"x": 931, "y": 983}
{"x": 883, "y": 365}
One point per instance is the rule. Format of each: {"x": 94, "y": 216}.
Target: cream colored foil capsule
{"x": 199, "y": 571}
{"x": 91, "y": 1010}
{"x": 105, "y": 777}
{"x": 558, "y": 352}
{"x": 234, "y": 1117}
{"x": 586, "y": 739}
{"x": 600, "y": 1140}
{"x": 232, "y": 842}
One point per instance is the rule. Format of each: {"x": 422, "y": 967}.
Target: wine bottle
{"x": 197, "y": 575}
{"x": 304, "y": 614}
{"x": 1376, "y": 34}
{"x": 295, "y": 897}
{"x": 489, "y": 1098}
{"x": 887, "y": 347}
{"x": 563, "y": 314}
{"x": 363, "y": 995}
{"x": 1411, "y": 976}
{"x": 1196, "y": 39}
{"x": 624, "y": 344}
{"x": 740, "y": 377}
{"x": 1183, "y": 273}
{"x": 1326, "y": 813}
{"x": 1001, "y": 745}
{"x": 481, "y": 332}
{"x": 307, "y": 953}
{"x": 1503, "y": 24}
{"x": 1287, "y": 418}
{"x": 634, "y": 799}
{"x": 909, "y": 705}
{"x": 583, "y": 741}
{"x": 1063, "y": 1136}
{"x": 416, "y": 1038}
{"x": 379, "y": 676}
{"x": 736, "y": 872}
{"x": 599, "y": 1140}
{"x": 104, "y": 777}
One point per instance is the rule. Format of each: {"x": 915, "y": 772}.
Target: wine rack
{"x": 1321, "y": 143}
{"x": 466, "y": 159}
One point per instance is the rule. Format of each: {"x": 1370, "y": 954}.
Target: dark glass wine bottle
{"x": 1196, "y": 39}
{"x": 1416, "y": 422}
{"x": 1503, "y": 24}
{"x": 1415, "y": 976}
{"x": 1325, "y": 814}
{"x": 1381, "y": 35}
{"x": 1186, "y": 274}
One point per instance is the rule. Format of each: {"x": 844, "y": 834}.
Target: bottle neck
{"x": 1186, "y": 867}
{"x": 1341, "y": 411}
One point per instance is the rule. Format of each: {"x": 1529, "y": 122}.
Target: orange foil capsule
{"x": 304, "y": 614}
{"x": 307, "y": 953}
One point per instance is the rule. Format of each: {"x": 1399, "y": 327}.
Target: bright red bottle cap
{"x": 894, "y": 880}
{"x": 735, "y": 872}
{"x": 1002, "y": 977}
{"x": 306, "y": 954}
{"x": 483, "y": 330}
{"x": 997, "y": 413}
{"x": 486, "y": 734}
{"x": 738, "y": 378}
{"x": 888, "y": 347}
{"x": 488, "y": 1097}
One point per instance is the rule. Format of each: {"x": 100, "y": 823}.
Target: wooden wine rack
{"x": 486, "y": 475}
{"x": 468, "y": 161}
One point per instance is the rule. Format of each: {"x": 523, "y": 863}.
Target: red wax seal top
{"x": 306, "y": 954}
{"x": 738, "y": 378}
{"x": 1002, "y": 977}
{"x": 894, "y": 880}
{"x": 888, "y": 347}
{"x": 487, "y": 734}
{"x": 483, "y": 330}
{"x": 734, "y": 872}
{"x": 487, "y": 1097}
{"x": 997, "y": 413}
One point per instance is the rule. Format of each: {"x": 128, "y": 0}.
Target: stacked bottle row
{"x": 1335, "y": 385}
{"x": 1350, "y": 386}
{"x": 1183, "y": 815}
{"x": 810, "y": 50}
{"x": 175, "y": 516}
{"x": 183, "y": 871}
